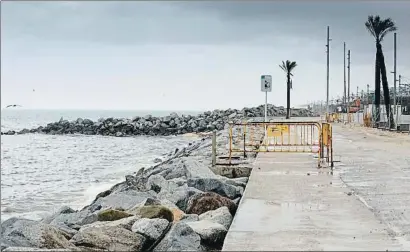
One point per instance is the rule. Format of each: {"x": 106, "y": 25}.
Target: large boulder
{"x": 195, "y": 167}
{"x": 27, "y": 233}
{"x": 109, "y": 238}
{"x": 215, "y": 185}
{"x": 179, "y": 196}
{"x": 121, "y": 200}
{"x": 123, "y": 223}
{"x": 204, "y": 202}
{"x": 65, "y": 230}
{"x": 212, "y": 234}
{"x": 74, "y": 219}
{"x": 151, "y": 228}
{"x": 180, "y": 237}
{"x": 242, "y": 181}
{"x": 221, "y": 216}
{"x": 158, "y": 183}
{"x": 62, "y": 210}
{"x": 173, "y": 169}
{"x": 152, "y": 212}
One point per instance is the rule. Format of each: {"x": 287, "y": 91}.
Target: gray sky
{"x": 186, "y": 55}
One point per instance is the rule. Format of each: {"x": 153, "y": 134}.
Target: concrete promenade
{"x": 289, "y": 204}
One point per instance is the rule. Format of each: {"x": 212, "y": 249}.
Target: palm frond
{"x": 370, "y": 26}
{"x": 288, "y": 66}
{"x": 388, "y": 26}
{"x": 283, "y": 66}
{"x": 292, "y": 65}
{"x": 378, "y": 27}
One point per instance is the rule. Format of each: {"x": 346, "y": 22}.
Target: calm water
{"x": 41, "y": 173}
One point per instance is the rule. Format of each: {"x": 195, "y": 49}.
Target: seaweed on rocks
{"x": 112, "y": 215}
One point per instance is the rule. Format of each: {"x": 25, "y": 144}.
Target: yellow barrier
{"x": 327, "y": 140}
{"x": 367, "y": 120}
{"x": 333, "y": 117}
{"x": 325, "y": 132}
{"x": 282, "y": 137}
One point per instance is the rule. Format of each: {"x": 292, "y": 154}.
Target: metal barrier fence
{"x": 308, "y": 137}
{"x": 339, "y": 118}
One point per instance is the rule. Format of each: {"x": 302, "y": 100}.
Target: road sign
{"x": 266, "y": 83}
{"x": 277, "y": 130}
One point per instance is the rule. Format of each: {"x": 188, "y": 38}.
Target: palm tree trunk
{"x": 377, "y": 89}
{"x": 288, "y": 98}
{"x": 386, "y": 91}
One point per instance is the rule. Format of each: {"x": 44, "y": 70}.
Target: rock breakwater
{"x": 154, "y": 126}
{"x": 177, "y": 204}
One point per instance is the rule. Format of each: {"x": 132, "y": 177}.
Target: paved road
{"x": 376, "y": 166}
{"x": 289, "y": 204}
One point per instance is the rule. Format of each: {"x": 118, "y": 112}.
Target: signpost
{"x": 266, "y": 86}
{"x": 277, "y": 130}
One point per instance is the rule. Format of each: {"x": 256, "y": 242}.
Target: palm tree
{"x": 288, "y": 66}
{"x": 379, "y": 28}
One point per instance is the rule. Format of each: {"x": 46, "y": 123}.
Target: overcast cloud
{"x": 186, "y": 55}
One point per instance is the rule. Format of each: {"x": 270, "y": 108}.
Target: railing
{"x": 308, "y": 137}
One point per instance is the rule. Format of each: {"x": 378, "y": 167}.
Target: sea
{"x": 42, "y": 173}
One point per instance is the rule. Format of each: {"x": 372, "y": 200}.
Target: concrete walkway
{"x": 289, "y": 204}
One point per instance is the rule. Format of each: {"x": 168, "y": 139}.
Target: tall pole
{"x": 368, "y": 94}
{"x": 348, "y": 81}
{"x": 344, "y": 74}
{"x": 397, "y": 114}
{"x": 368, "y": 98}
{"x": 399, "y": 79}
{"x": 327, "y": 73}
{"x": 395, "y": 77}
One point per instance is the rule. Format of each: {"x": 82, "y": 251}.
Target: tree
{"x": 288, "y": 66}
{"x": 379, "y": 28}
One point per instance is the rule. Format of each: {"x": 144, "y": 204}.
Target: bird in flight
{"x": 13, "y": 106}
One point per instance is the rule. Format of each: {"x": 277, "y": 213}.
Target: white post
{"x": 266, "y": 106}
{"x": 266, "y": 114}
{"x": 401, "y": 103}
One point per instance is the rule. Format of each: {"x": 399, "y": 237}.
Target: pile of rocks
{"x": 178, "y": 204}
{"x": 149, "y": 125}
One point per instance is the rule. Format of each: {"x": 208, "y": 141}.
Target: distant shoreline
{"x": 163, "y": 124}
